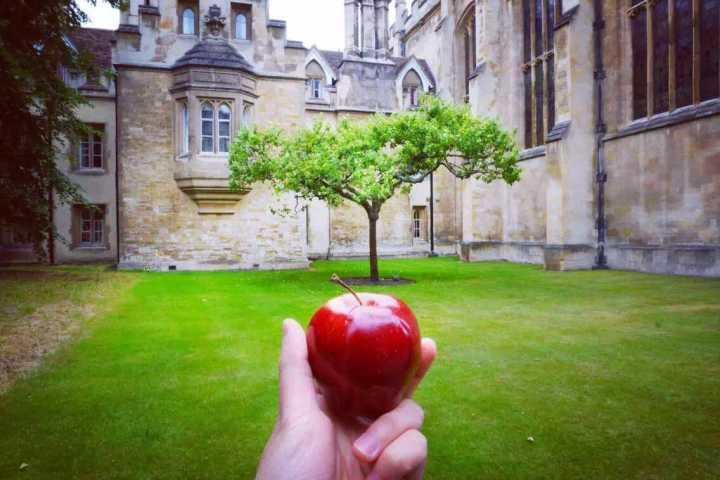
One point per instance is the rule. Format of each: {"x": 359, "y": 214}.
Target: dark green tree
{"x": 367, "y": 163}
{"x": 38, "y": 110}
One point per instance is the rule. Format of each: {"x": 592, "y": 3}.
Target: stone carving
{"x": 215, "y": 22}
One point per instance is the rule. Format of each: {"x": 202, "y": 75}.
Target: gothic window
{"x": 91, "y": 148}
{"x": 215, "y": 126}
{"x": 469, "y": 49}
{"x": 316, "y": 79}
{"x": 224, "y": 114}
{"x": 188, "y": 21}
{"x": 676, "y": 42}
{"x": 418, "y": 223}
{"x": 539, "y": 69}
{"x": 208, "y": 127}
{"x": 412, "y": 88}
{"x": 241, "y": 24}
{"x": 185, "y": 146}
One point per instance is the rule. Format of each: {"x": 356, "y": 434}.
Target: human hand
{"x": 309, "y": 443}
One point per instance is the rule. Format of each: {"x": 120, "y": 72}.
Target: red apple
{"x": 364, "y": 350}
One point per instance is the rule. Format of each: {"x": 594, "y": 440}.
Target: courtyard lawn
{"x": 613, "y": 374}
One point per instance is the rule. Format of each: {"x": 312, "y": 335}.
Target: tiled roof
{"x": 96, "y": 41}
{"x": 214, "y": 53}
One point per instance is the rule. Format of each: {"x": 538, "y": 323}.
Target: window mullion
{"x": 672, "y": 49}
{"x": 533, "y": 70}
{"x": 696, "y": 51}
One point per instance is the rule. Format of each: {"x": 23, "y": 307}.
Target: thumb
{"x": 297, "y": 390}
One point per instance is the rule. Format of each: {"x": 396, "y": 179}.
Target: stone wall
{"x": 160, "y": 225}
{"x": 97, "y": 186}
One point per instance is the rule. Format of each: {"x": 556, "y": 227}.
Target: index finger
{"x": 297, "y": 390}
{"x": 428, "y": 352}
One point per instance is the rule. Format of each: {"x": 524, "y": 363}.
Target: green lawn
{"x": 614, "y": 375}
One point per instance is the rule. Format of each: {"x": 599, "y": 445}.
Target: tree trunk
{"x": 374, "y": 272}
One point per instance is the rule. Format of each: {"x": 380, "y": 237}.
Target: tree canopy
{"x": 368, "y": 162}
{"x": 37, "y": 109}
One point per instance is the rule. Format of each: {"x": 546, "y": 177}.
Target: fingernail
{"x": 368, "y": 446}
{"x": 373, "y": 476}
{"x": 286, "y": 325}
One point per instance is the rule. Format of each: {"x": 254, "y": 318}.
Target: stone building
{"x": 615, "y": 105}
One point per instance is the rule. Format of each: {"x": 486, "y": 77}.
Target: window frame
{"x": 215, "y": 105}
{"x": 316, "y": 88}
{"x": 538, "y": 68}
{"x": 245, "y": 18}
{"x": 186, "y": 9}
{"x": 220, "y": 122}
{"x": 419, "y": 223}
{"x": 93, "y": 139}
{"x": 92, "y": 217}
{"x": 203, "y": 121}
{"x": 643, "y": 15}
{"x": 184, "y": 128}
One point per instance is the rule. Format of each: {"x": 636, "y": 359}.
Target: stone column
{"x": 382, "y": 28}
{"x": 368, "y": 28}
{"x": 351, "y": 27}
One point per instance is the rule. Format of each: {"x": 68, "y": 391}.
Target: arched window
{"x": 185, "y": 129}
{"x": 469, "y": 50}
{"x": 241, "y": 32}
{"x": 188, "y": 21}
{"x": 224, "y": 116}
{"x": 316, "y": 79}
{"x": 412, "y": 88}
{"x": 208, "y": 127}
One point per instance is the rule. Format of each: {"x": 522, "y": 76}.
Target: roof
{"x": 401, "y": 61}
{"x": 98, "y": 43}
{"x": 335, "y": 59}
{"x": 213, "y": 52}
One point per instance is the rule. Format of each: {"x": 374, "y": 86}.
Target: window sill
{"x": 91, "y": 248}
{"x": 566, "y": 17}
{"x": 690, "y": 113}
{"x": 317, "y": 101}
{"x": 530, "y": 153}
{"x": 240, "y": 41}
{"x": 90, "y": 171}
{"x": 558, "y": 132}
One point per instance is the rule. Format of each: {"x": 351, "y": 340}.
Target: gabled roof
{"x": 214, "y": 53}
{"x": 335, "y": 59}
{"x": 400, "y": 63}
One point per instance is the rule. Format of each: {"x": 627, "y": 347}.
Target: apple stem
{"x": 335, "y": 278}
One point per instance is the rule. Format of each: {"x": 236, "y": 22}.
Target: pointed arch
{"x": 314, "y": 55}
{"x": 412, "y": 65}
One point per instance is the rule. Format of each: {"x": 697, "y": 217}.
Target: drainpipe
{"x": 117, "y": 170}
{"x": 600, "y": 129}
{"x": 432, "y": 215}
{"x": 51, "y": 227}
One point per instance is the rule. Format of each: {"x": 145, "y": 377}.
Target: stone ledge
{"x": 690, "y": 113}
{"x": 553, "y": 257}
{"x": 184, "y": 266}
{"x": 213, "y": 196}
{"x": 695, "y": 260}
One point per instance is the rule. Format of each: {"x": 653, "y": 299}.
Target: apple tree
{"x": 366, "y": 163}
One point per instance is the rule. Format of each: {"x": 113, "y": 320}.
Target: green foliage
{"x": 366, "y": 163}
{"x": 37, "y": 109}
